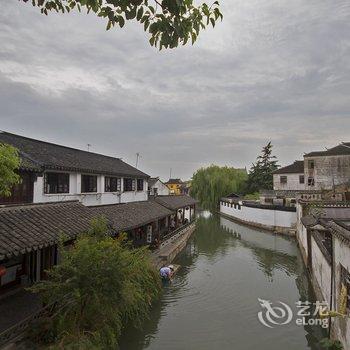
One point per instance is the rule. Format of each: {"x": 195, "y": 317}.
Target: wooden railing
{"x": 176, "y": 231}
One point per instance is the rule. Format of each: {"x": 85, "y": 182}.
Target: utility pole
{"x": 137, "y": 159}
{"x": 88, "y": 146}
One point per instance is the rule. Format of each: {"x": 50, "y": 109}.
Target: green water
{"x": 213, "y": 301}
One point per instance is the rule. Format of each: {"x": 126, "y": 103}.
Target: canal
{"x": 213, "y": 300}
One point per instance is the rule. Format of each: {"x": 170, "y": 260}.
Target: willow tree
{"x": 211, "y": 183}
{"x": 9, "y": 164}
{"x": 168, "y": 22}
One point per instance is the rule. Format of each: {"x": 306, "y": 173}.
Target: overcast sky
{"x": 274, "y": 70}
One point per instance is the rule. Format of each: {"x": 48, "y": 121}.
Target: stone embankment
{"x": 170, "y": 249}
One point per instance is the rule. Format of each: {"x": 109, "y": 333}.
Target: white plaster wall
{"x": 188, "y": 214}
{"x": 265, "y": 217}
{"x": 99, "y": 198}
{"x": 341, "y": 256}
{"x": 163, "y": 190}
{"x": 321, "y": 271}
{"x": 329, "y": 171}
{"x": 301, "y": 230}
{"x": 292, "y": 182}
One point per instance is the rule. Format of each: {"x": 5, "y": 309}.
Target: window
{"x": 140, "y": 184}
{"x": 129, "y": 185}
{"x": 301, "y": 179}
{"x": 311, "y": 164}
{"x": 88, "y": 183}
{"x": 112, "y": 184}
{"x": 283, "y": 179}
{"x": 56, "y": 183}
{"x": 311, "y": 181}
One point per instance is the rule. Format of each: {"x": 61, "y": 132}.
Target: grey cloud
{"x": 274, "y": 70}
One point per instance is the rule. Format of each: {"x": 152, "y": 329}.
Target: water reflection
{"x": 212, "y": 302}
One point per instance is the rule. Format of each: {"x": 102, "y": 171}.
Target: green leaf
{"x": 139, "y": 13}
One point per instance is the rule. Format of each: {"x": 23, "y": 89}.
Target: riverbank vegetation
{"x": 211, "y": 183}
{"x": 100, "y": 285}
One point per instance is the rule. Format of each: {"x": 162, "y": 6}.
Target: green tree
{"x": 9, "y": 164}
{"x": 260, "y": 175}
{"x": 100, "y": 286}
{"x": 211, "y": 183}
{"x": 169, "y": 22}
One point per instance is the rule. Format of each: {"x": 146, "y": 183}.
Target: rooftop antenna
{"x": 170, "y": 173}
{"x": 88, "y": 146}
{"x": 137, "y": 159}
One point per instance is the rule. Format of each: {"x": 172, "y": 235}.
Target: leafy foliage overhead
{"x": 9, "y": 164}
{"x": 100, "y": 286}
{"x": 211, "y": 183}
{"x": 261, "y": 173}
{"x": 169, "y": 22}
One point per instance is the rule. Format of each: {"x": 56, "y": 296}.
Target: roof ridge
{"x": 58, "y": 145}
{"x": 31, "y": 205}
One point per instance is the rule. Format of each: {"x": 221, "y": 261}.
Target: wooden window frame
{"x": 129, "y": 184}
{"x": 311, "y": 181}
{"x": 284, "y": 179}
{"x": 302, "y": 179}
{"x": 86, "y": 180}
{"x": 140, "y": 182}
{"x": 62, "y": 179}
{"x": 113, "y": 184}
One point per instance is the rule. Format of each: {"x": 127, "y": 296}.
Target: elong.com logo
{"x": 279, "y": 313}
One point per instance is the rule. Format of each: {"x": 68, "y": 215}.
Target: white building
{"x": 157, "y": 188}
{"x": 326, "y": 170}
{"x": 290, "y": 177}
{"x": 54, "y": 173}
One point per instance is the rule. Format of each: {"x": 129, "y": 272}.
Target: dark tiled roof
{"x": 309, "y": 220}
{"x": 29, "y": 164}
{"x": 51, "y": 156}
{"x": 174, "y": 181}
{"x": 296, "y": 168}
{"x": 340, "y": 229}
{"x": 131, "y": 215}
{"x": 342, "y": 149}
{"x": 152, "y": 181}
{"x": 27, "y": 227}
{"x": 175, "y": 202}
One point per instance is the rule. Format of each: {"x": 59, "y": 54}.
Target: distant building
{"x": 290, "y": 177}
{"x": 323, "y": 175}
{"x": 157, "y": 188}
{"x": 175, "y": 186}
{"x": 52, "y": 173}
{"x": 327, "y": 170}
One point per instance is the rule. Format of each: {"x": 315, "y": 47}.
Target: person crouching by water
{"x": 166, "y": 273}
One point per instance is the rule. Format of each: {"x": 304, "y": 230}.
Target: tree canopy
{"x": 169, "y": 22}
{"x": 100, "y": 286}
{"x": 9, "y": 164}
{"x": 260, "y": 175}
{"x": 211, "y": 183}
